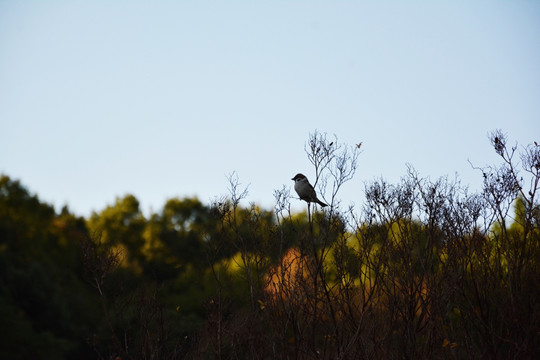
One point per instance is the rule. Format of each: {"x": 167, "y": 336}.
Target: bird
{"x": 305, "y": 191}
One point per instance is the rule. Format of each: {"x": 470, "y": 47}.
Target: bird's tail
{"x": 321, "y": 203}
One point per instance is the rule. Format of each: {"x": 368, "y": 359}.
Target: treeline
{"x": 423, "y": 270}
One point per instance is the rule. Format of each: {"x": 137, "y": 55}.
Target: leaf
{"x": 445, "y": 342}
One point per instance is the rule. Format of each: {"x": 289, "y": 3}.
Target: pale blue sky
{"x": 165, "y": 98}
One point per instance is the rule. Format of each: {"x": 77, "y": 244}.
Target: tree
{"x": 122, "y": 225}
{"x": 46, "y": 308}
{"x": 175, "y": 238}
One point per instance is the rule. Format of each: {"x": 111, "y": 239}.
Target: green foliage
{"x": 175, "y": 238}
{"x": 121, "y": 224}
{"x": 46, "y": 306}
{"x": 426, "y": 271}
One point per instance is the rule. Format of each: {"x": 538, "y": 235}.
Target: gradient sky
{"x": 165, "y": 98}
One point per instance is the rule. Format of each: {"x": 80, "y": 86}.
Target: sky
{"x": 164, "y": 99}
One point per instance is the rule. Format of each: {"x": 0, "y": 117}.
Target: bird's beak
{"x": 292, "y": 179}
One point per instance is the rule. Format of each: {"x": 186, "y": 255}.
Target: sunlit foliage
{"x": 424, "y": 270}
